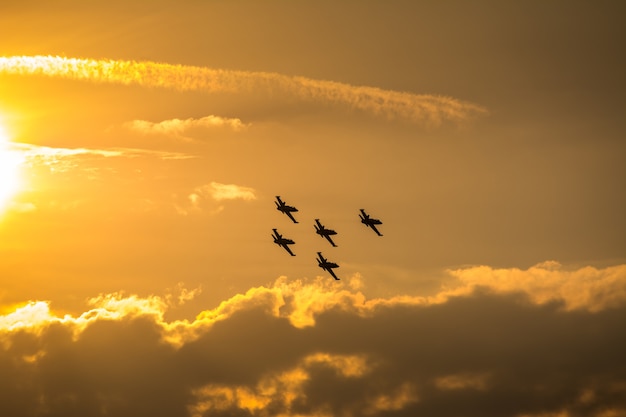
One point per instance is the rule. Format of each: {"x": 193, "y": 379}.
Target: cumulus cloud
{"x": 221, "y": 192}
{"x": 421, "y": 108}
{"x": 178, "y": 128}
{"x": 279, "y": 390}
{"x": 320, "y": 348}
{"x": 587, "y": 288}
{"x": 216, "y": 192}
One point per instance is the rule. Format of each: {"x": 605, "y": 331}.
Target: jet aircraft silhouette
{"x": 370, "y": 222}
{"x": 281, "y": 206}
{"x": 324, "y": 232}
{"x": 326, "y": 266}
{"x": 284, "y": 242}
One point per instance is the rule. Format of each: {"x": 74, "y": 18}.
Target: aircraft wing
{"x": 288, "y": 250}
{"x": 332, "y": 273}
{"x": 330, "y": 240}
{"x": 288, "y": 213}
{"x": 375, "y": 229}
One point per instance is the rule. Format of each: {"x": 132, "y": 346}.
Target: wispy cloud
{"x": 421, "y": 108}
{"x": 52, "y": 153}
{"x": 321, "y": 348}
{"x": 65, "y": 159}
{"x": 178, "y": 128}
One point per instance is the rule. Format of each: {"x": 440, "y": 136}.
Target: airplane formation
{"x": 321, "y": 230}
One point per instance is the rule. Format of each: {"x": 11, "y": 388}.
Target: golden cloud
{"x": 423, "y": 108}
{"x": 300, "y": 301}
{"x": 217, "y": 192}
{"x": 221, "y": 192}
{"x": 50, "y": 155}
{"x": 462, "y": 381}
{"x": 319, "y": 347}
{"x": 178, "y": 127}
{"x": 587, "y": 288}
{"x": 282, "y": 389}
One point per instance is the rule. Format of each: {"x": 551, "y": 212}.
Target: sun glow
{"x": 10, "y": 161}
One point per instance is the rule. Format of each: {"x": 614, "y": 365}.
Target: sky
{"x": 142, "y": 145}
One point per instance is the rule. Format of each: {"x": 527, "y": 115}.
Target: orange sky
{"x": 142, "y": 145}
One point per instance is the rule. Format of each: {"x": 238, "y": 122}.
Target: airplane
{"x": 324, "y": 232}
{"x": 281, "y": 206}
{"x": 284, "y": 242}
{"x": 369, "y": 222}
{"x": 326, "y": 266}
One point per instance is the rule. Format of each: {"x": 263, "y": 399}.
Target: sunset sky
{"x": 142, "y": 144}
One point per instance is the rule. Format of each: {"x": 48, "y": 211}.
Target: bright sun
{"x": 9, "y": 170}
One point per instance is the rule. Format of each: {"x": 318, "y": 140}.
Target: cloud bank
{"x": 321, "y": 348}
{"x": 422, "y": 108}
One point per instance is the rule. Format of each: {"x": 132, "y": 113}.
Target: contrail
{"x": 423, "y": 108}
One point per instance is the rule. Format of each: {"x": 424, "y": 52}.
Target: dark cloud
{"x": 117, "y": 368}
{"x": 534, "y": 359}
{"x": 475, "y": 355}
